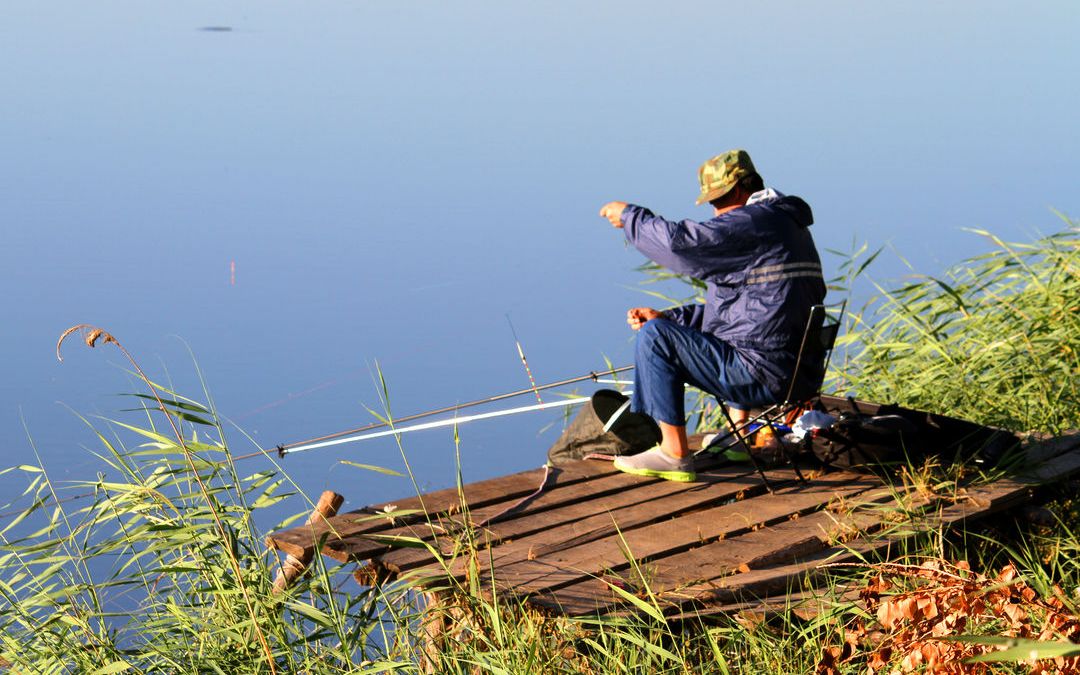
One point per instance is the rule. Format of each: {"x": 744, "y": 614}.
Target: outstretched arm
{"x": 679, "y": 246}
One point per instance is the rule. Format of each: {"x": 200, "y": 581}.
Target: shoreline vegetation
{"x": 162, "y": 568}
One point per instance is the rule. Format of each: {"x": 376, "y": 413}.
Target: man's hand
{"x": 638, "y": 316}
{"x": 613, "y": 212}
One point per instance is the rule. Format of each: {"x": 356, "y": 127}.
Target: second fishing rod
{"x": 283, "y": 449}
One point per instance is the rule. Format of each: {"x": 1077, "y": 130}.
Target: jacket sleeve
{"x": 684, "y": 247}
{"x": 688, "y": 315}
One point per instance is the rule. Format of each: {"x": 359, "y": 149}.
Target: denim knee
{"x": 658, "y": 391}
{"x": 653, "y": 338}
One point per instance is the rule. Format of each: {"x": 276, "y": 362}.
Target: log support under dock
{"x": 327, "y": 507}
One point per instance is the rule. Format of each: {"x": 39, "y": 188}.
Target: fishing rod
{"x": 566, "y": 403}
{"x": 595, "y": 376}
{"x": 524, "y": 361}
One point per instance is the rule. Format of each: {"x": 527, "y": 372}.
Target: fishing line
{"x": 45, "y": 504}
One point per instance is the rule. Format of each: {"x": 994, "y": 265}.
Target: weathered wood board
{"x": 721, "y": 544}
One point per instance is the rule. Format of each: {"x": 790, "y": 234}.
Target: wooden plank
{"x": 805, "y": 606}
{"x": 502, "y": 489}
{"x": 1048, "y": 448}
{"x": 365, "y": 545}
{"x": 600, "y": 523}
{"x": 494, "y": 491}
{"x": 367, "y": 519}
{"x": 547, "y": 569}
{"x": 981, "y": 501}
{"x": 770, "y": 545}
{"x": 812, "y": 603}
{"x": 782, "y": 541}
{"x": 547, "y": 509}
{"x": 553, "y": 509}
{"x": 765, "y": 585}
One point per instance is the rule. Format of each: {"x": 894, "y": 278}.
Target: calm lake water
{"x": 292, "y": 196}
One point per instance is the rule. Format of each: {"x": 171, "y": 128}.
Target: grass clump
{"x": 151, "y": 572}
{"x": 995, "y": 340}
{"x": 160, "y": 567}
{"x": 507, "y": 636}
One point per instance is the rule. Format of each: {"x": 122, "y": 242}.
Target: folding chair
{"x": 815, "y": 350}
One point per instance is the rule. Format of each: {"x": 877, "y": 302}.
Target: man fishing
{"x": 762, "y": 275}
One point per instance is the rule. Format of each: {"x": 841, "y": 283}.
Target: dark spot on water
{"x": 216, "y": 29}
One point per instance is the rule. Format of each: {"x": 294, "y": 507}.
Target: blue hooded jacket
{"x": 762, "y": 275}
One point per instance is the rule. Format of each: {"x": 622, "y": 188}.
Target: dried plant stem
{"x": 91, "y": 335}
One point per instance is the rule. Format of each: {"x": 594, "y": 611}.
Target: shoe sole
{"x": 680, "y": 476}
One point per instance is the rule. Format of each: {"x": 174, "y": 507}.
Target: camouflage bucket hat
{"x": 718, "y": 175}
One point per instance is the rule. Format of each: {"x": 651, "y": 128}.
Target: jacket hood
{"x": 796, "y": 209}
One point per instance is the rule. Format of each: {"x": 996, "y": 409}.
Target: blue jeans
{"x": 669, "y": 355}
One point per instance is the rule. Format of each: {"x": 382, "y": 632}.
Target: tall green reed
{"x": 996, "y": 339}
{"x": 161, "y": 567}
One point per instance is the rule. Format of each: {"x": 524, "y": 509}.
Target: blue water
{"x": 392, "y": 179}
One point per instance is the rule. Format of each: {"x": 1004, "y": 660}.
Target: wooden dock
{"x": 593, "y": 535}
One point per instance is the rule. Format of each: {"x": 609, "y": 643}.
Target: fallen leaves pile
{"x": 919, "y": 610}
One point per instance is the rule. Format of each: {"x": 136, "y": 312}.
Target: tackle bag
{"x": 629, "y": 433}
{"x": 864, "y": 440}
{"x": 869, "y": 434}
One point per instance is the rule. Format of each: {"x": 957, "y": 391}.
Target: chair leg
{"x": 784, "y": 451}
{"x": 761, "y": 472}
{"x": 737, "y": 430}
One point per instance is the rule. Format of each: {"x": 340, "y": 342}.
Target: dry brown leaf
{"x": 937, "y": 599}
{"x": 908, "y": 608}
{"x": 1007, "y": 574}
{"x": 913, "y": 660}
{"x": 830, "y": 659}
{"x": 927, "y": 607}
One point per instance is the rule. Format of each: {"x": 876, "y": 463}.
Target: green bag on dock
{"x": 586, "y": 433}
